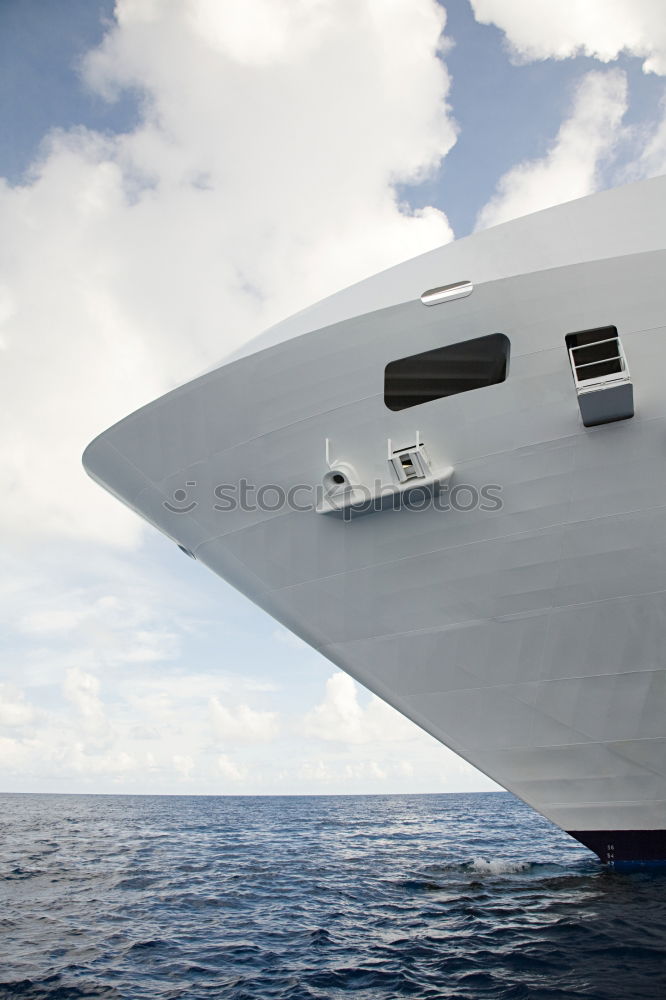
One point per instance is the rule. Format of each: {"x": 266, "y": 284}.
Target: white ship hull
{"x": 528, "y": 638}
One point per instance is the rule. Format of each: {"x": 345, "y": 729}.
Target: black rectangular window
{"x": 445, "y": 371}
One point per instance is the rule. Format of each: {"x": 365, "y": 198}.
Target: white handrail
{"x": 602, "y": 361}
{"x": 593, "y": 343}
{"x": 599, "y": 379}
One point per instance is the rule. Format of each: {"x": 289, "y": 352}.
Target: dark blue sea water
{"x": 372, "y": 897}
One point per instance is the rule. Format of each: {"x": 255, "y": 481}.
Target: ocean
{"x": 371, "y": 897}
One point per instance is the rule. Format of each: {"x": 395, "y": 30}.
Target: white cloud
{"x": 541, "y": 29}
{"x": 260, "y": 32}
{"x": 242, "y": 724}
{"x": 359, "y": 743}
{"x": 261, "y": 176}
{"x": 183, "y": 764}
{"x": 230, "y": 769}
{"x": 317, "y": 771}
{"x": 57, "y": 756}
{"x": 54, "y": 620}
{"x": 652, "y": 159}
{"x": 128, "y": 626}
{"x": 438, "y": 769}
{"x": 83, "y": 690}
{"x": 571, "y": 168}
{"x": 365, "y": 769}
{"x": 356, "y": 772}
{"x": 105, "y": 697}
{"x": 13, "y": 754}
{"x": 116, "y": 763}
{"x": 341, "y": 718}
{"x": 14, "y": 709}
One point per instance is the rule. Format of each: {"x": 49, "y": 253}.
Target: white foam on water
{"x": 497, "y": 867}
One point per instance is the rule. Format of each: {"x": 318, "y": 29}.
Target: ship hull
{"x": 525, "y": 632}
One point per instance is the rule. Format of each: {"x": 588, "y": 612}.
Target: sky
{"x": 174, "y": 179}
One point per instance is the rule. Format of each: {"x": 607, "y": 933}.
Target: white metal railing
{"x": 594, "y": 380}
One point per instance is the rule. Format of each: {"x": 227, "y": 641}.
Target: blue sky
{"x": 177, "y": 178}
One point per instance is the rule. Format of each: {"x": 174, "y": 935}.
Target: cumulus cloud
{"x": 147, "y": 745}
{"x": 356, "y": 742}
{"x": 437, "y": 769}
{"x": 571, "y": 167}
{"x": 56, "y": 756}
{"x": 183, "y": 764}
{"x": 366, "y": 769}
{"x": 100, "y": 689}
{"x": 123, "y": 626}
{"x": 242, "y": 724}
{"x": 230, "y": 769}
{"x": 13, "y": 754}
{"x": 14, "y": 709}
{"x": 340, "y": 717}
{"x": 598, "y": 28}
{"x": 83, "y": 690}
{"x": 261, "y": 175}
{"x": 652, "y": 159}
{"x": 332, "y": 773}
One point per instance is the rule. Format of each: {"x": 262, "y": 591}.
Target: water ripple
{"x": 375, "y": 897}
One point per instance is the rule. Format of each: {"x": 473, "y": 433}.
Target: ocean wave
{"x": 455, "y": 897}
{"x": 497, "y": 866}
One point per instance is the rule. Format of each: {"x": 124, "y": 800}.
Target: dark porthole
{"x": 446, "y": 371}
